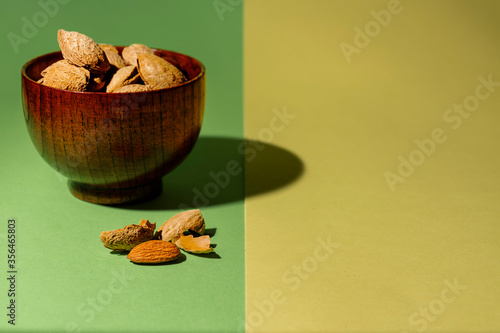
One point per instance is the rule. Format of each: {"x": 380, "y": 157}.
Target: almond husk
{"x": 130, "y": 236}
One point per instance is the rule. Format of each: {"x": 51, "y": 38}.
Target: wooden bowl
{"x": 114, "y": 148}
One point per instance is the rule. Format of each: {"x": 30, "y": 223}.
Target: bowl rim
{"x": 29, "y": 62}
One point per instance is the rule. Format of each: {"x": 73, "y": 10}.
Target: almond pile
{"x": 88, "y": 66}
{"x": 148, "y": 247}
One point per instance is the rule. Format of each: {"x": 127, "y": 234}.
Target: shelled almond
{"x": 154, "y": 252}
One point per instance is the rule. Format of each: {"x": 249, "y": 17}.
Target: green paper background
{"x": 62, "y": 266}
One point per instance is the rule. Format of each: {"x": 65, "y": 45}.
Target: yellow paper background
{"x": 398, "y": 251}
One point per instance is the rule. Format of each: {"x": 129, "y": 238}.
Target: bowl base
{"x": 115, "y": 196}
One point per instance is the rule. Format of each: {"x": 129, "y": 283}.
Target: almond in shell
{"x": 124, "y": 76}
{"x": 82, "y": 51}
{"x": 109, "y": 47}
{"x": 114, "y": 59}
{"x": 174, "y": 227}
{"x": 157, "y": 72}
{"x": 63, "y": 75}
{"x": 130, "y": 53}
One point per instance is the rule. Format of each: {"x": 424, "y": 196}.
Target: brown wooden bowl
{"x": 114, "y": 147}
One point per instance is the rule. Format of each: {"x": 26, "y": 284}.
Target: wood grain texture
{"x": 114, "y": 148}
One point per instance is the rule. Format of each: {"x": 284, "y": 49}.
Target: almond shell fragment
{"x": 128, "y": 237}
{"x": 195, "y": 244}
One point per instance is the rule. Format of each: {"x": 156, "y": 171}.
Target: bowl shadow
{"x": 214, "y": 174}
